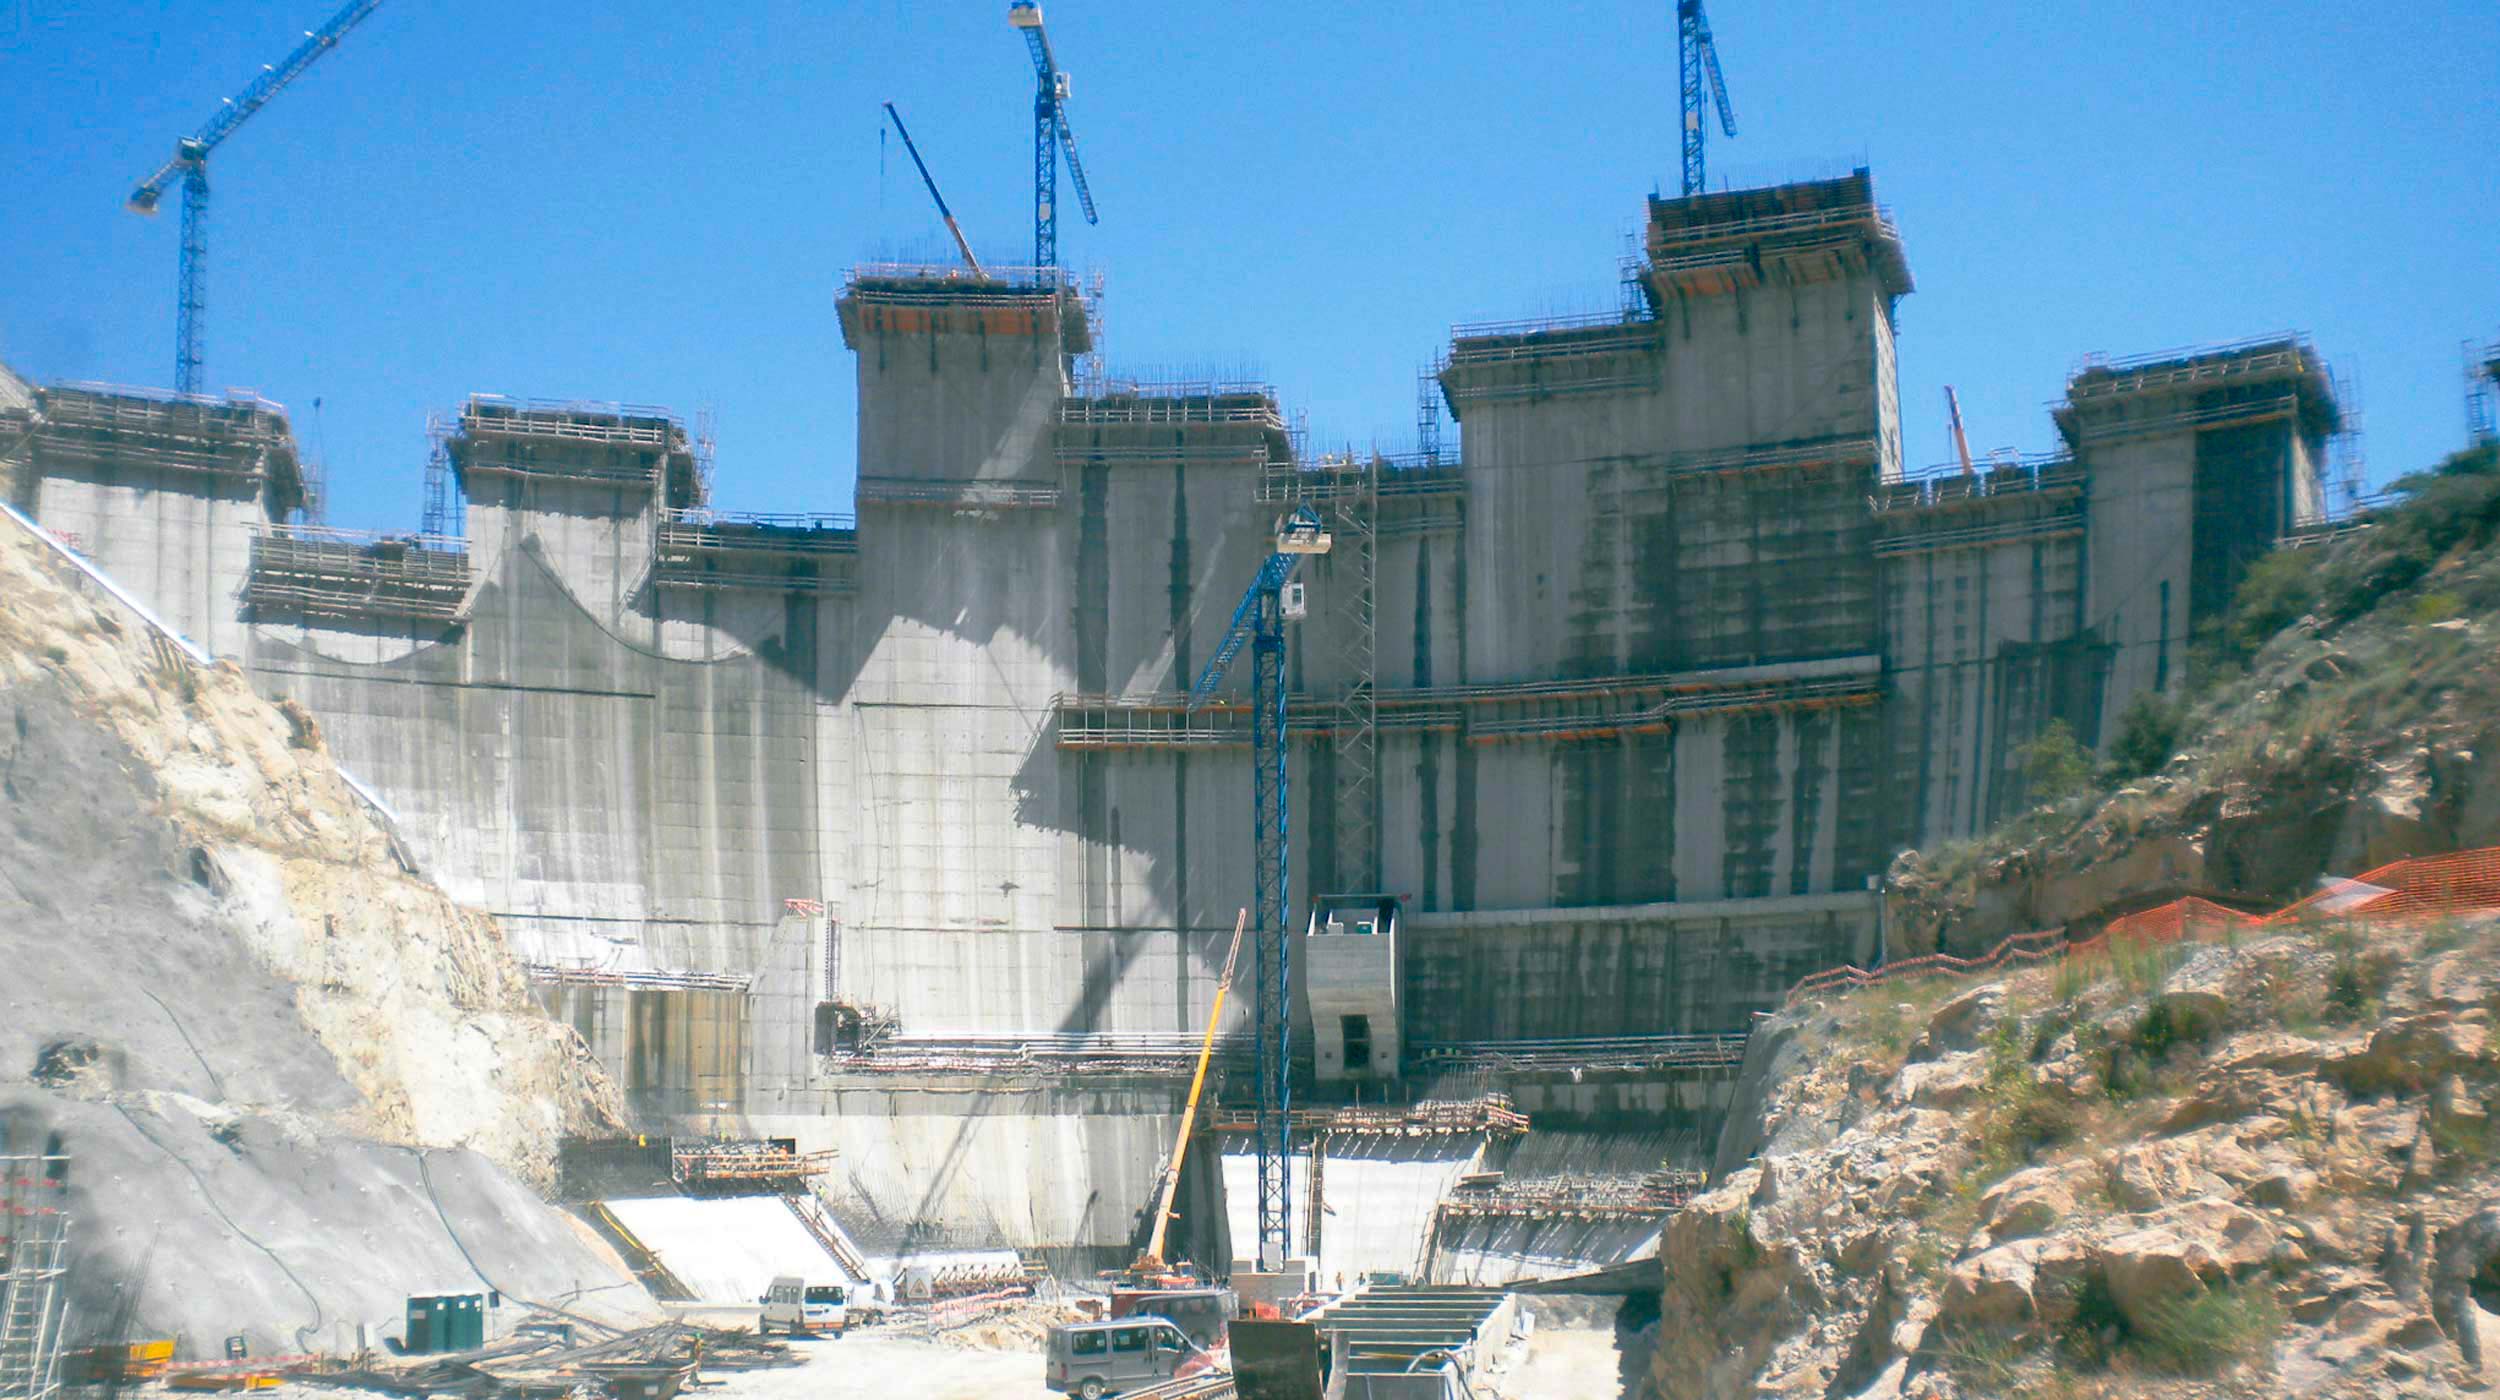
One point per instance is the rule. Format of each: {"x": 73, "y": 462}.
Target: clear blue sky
{"x": 655, "y": 202}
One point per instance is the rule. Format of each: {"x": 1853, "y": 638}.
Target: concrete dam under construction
{"x": 894, "y": 836}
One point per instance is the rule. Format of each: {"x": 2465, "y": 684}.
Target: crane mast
{"x": 1259, "y": 624}
{"x": 1051, "y": 135}
{"x": 1699, "y": 61}
{"x": 190, "y": 165}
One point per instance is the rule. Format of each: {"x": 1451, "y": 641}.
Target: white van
{"x": 801, "y": 1308}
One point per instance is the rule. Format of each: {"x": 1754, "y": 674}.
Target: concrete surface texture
{"x": 242, "y": 1015}
{"x": 1378, "y": 1198}
{"x": 728, "y": 1250}
{"x": 1669, "y": 656}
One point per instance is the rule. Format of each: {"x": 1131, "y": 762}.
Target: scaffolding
{"x": 960, "y": 494}
{"x": 1600, "y": 707}
{"x": 1489, "y": 1115}
{"x": 576, "y": 440}
{"x": 2482, "y": 372}
{"x": 1354, "y": 727}
{"x": 34, "y": 1261}
{"x": 700, "y": 548}
{"x": 241, "y": 436}
{"x": 1595, "y": 354}
{"x": 1128, "y": 402}
{"x": 2280, "y": 355}
{"x": 315, "y": 571}
{"x": 750, "y": 1167}
{"x": 1581, "y": 1055}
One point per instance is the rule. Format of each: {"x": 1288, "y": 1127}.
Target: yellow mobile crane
{"x": 1150, "y": 1270}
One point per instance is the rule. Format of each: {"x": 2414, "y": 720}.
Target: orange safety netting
{"x": 2180, "y": 918}
{"x": 2420, "y": 887}
{"x": 2416, "y": 888}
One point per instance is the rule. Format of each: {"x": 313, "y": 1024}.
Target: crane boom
{"x": 193, "y": 149}
{"x": 961, "y": 245}
{"x": 190, "y": 163}
{"x": 1258, "y": 624}
{"x": 1051, "y": 135}
{"x": 1152, "y": 1259}
{"x": 1961, "y": 440}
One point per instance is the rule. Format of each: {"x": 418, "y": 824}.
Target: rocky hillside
{"x": 2347, "y": 713}
{"x": 298, "y": 1083}
{"x": 2259, "y": 1168}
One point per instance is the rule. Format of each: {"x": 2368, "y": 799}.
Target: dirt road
{"x": 866, "y": 1367}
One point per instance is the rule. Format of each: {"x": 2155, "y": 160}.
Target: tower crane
{"x": 1272, "y": 600}
{"x": 190, "y": 162}
{"x": 926, "y": 178}
{"x": 1050, "y": 136}
{"x": 1700, "y": 62}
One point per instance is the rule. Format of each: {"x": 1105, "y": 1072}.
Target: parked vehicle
{"x": 801, "y": 1308}
{"x": 1203, "y": 1313}
{"x": 1094, "y": 1359}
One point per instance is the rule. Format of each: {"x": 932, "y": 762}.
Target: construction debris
{"x": 650, "y": 1364}
{"x": 1573, "y": 1197}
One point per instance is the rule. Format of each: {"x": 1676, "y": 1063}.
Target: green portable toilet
{"x": 421, "y": 1335}
{"x": 468, "y": 1322}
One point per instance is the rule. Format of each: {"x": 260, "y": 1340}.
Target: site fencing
{"x": 2415, "y": 889}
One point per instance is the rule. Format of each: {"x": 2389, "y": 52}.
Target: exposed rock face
{"x": 234, "y": 1001}
{"x": 1944, "y": 1195}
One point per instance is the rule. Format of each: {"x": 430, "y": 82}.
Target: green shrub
{"x": 2434, "y": 607}
{"x": 2148, "y": 734}
{"x": 2207, "y": 1329}
{"x": 2276, "y": 591}
{"x": 2055, "y": 766}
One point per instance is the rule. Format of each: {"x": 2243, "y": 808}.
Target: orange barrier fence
{"x": 2419, "y": 887}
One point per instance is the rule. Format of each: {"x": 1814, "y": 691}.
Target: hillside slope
{"x": 283, "y": 1064}
{"x": 2348, "y": 714}
{"x": 2259, "y": 1164}
{"x": 2262, "y": 1168}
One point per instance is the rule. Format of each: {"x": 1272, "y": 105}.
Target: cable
{"x": 302, "y": 1334}
{"x": 213, "y": 1078}
{"x": 426, "y": 1174}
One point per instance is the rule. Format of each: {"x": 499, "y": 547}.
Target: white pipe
{"x": 190, "y": 648}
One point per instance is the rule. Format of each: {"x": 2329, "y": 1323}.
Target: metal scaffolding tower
{"x": 34, "y": 1255}
{"x": 1352, "y": 512}
{"x": 2482, "y": 371}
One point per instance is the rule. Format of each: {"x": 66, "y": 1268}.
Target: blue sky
{"x": 656, "y": 202}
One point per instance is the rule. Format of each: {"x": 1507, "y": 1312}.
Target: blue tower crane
{"x": 1258, "y": 623}
{"x": 190, "y": 162}
{"x": 1050, "y": 136}
{"x": 1700, "y": 62}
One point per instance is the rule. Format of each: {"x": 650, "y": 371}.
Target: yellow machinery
{"x": 1150, "y": 1264}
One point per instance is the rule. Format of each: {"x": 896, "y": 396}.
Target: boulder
{"x": 2157, "y": 1172}
{"x": 2178, "y": 1249}
{"x": 2279, "y": 1051}
{"x": 2016, "y": 1282}
{"x": 1962, "y": 1023}
{"x": 2411, "y": 1053}
{"x": 1950, "y": 1082}
{"x": 2035, "y": 1199}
